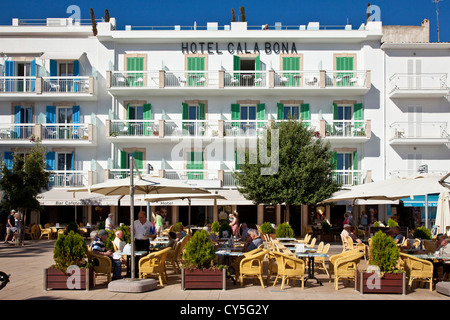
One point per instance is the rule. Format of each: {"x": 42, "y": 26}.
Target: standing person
{"x": 234, "y": 223}
{"x": 364, "y": 218}
{"x": 10, "y": 225}
{"x": 109, "y": 223}
{"x": 141, "y": 232}
{"x": 159, "y": 224}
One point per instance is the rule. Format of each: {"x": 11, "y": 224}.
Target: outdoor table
{"x": 227, "y": 253}
{"x": 311, "y": 256}
{"x": 128, "y": 254}
{"x": 286, "y": 239}
{"x": 431, "y": 256}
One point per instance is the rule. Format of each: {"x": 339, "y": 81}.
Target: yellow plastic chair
{"x": 320, "y": 247}
{"x": 45, "y": 232}
{"x": 312, "y": 244}
{"x": 252, "y": 266}
{"x": 305, "y": 240}
{"x": 343, "y": 265}
{"x": 102, "y": 264}
{"x": 177, "y": 259}
{"x": 319, "y": 262}
{"x": 417, "y": 269}
{"x": 154, "y": 265}
{"x": 289, "y": 267}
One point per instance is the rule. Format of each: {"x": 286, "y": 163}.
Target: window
{"x": 195, "y": 161}
{"x": 22, "y": 115}
{"x": 196, "y": 79}
{"x": 346, "y": 164}
{"x": 291, "y": 111}
{"x": 135, "y": 64}
{"x": 193, "y": 111}
{"x": 248, "y": 114}
{"x": 66, "y": 69}
{"x": 135, "y": 112}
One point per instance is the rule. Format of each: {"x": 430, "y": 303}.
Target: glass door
{"x": 65, "y": 117}
{"x": 344, "y": 165}
{"x": 66, "y": 70}
{"x": 64, "y": 163}
{"x": 248, "y": 115}
{"x": 343, "y": 120}
{"x": 136, "y": 113}
{"x": 24, "y": 70}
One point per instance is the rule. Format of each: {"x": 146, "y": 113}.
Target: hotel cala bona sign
{"x": 238, "y": 47}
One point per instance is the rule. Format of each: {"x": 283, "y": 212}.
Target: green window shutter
{"x": 292, "y": 64}
{"x": 123, "y": 160}
{"x": 130, "y": 113}
{"x": 260, "y": 115}
{"x": 139, "y": 159}
{"x": 280, "y": 111}
{"x": 344, "y": 63}
{"x": 355, "y": 161}
{"x": 201, "y": 115}
{"x": 305, "y": 114}
{"x": 195, "y": 161}
{"x": 304, "y": 111}
{"x": 358, "y": 114}
{"x": 334, "y": 160}
{"x": 235, "y": 114}
{"x": 195, "y": 64}
{"x": 236, "y": 63}
{"x": 148, "y": 129}
{"x": 335, "y": 112}
{"x": 135, "y": 64}
{"x": 258, "y": 63}
{"x": 185, "y": 111}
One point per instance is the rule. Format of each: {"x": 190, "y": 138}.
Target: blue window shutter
{"x": 9, "y": 72}
{"x": 17, "y": 116}
{"x": 50, "y": 160}
{"x": 33, "y": 74}
{"x": 53, "y": 68}
{"x": 76, "y": 114}
{"x": 9, "y": 159}
{"x": 76, "y": 68}
{"x": 51, "y": 114}
{"x": 72, "y": 167}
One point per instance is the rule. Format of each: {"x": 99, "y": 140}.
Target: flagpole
{"x": 132, "y": 216}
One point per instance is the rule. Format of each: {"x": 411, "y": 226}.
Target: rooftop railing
{"x": 424, "y": 81}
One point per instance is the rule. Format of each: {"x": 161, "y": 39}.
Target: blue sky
{"x": 288, "y": 12}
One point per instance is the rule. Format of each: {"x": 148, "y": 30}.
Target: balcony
{"x": 69, "y": 179}
{"x": 356, "y": 131}
{"x": 352, "y": 177}
{"x": 79, "y": 87}
{"x": 426, "y": 85}
{"x": 48, "y": 134}
{"x": 418, "y": 133}
{"x": 335, "y": 83}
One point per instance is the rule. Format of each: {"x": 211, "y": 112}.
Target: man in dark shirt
{"x": 10, "y": 225}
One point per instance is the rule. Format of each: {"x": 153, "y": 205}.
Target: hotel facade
{"x": 185, "y": 102}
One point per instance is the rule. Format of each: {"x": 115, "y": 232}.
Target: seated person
{"x": 398, "y": 237}
{"x": 253, "y": 241}
{"x": 180, "y": 232}
{"x": 118, "y": 240}
{"x": 244, "y": 232}
{"x": 354, "y": 236}
{"x": 98, "y": 247}
{"x": 172, "y": 240}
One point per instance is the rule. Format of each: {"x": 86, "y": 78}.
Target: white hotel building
{"x": 184, "y": 101}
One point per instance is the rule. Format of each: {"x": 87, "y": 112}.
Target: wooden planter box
{"x": 327, "y": 237}
{"x": 389, "y": 283}
{"x": 203, "y": 279}
{"x": 55, "y": 279}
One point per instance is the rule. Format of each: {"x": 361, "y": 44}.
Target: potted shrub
{"x": 266, "y": 228}
{"x": 215, "y": 227}
{"x": 385, "y": 276}
{"x": 71, "y": 269}
{"x": 225, "y": 227}
{"x": 199, "y": 271}
{"x": 284, "y": 230}
{"x": 327, "y": 232}
{"x": 422, "y": 233}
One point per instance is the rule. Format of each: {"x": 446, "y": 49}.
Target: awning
{"x": 419, "y": 201}
{"x": 62, "y": 55}
{"x": 60, "y": 197}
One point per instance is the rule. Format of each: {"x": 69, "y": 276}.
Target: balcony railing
{"x": 17, "y": 84}
{"x": 297, "y": 78}
{"x": 346, "y": 128}
{"x": 16, "y": 131}
{"x": 219, "y": 79}
{"x": 246, "y": 79}
{"x": 65, "y": 131}
{"x": 39, "y": 85}
{"x": 63, "y": 178}
{"x": 74, "y": 84}
{"x": 350, "y": 177}
{"x": 244, "y": 128}
{"x": 135, "y": 79}
{"x": 133, "y": 128}
{"x": 424, "y": 81}
{"x": 191, "y": 174}
{"x": 346, "y": 78}
{"x": 195, "y": 128}
{"x": 418, "y": 130}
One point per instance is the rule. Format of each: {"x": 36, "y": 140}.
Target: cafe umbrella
{"x": 142, "y": 184}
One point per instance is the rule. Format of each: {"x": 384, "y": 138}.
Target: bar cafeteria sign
{"x": 238, "y": 48}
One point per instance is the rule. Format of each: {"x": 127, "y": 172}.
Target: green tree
{"x": 24, "y": 181}
{"x": 305, "y": 167}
